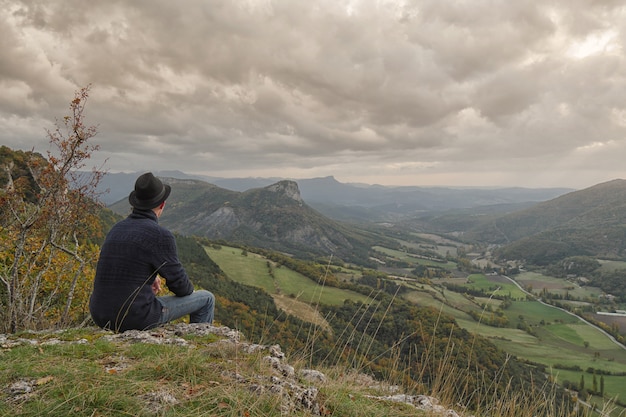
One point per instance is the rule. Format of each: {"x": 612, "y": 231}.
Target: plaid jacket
{"x": 135, "y": 250}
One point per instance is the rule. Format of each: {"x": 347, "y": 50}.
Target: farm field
{"x": 560, "y": 338}
{"x": 497, "y": 334}
{"x": 407, "y": 257}
{"x": 425, "y": 299}
{"x": 538, "y": 282}
{"x": 495, "y": 284}
{"x": 555, "y": 327}
{"x": 612, "y": 383}
{"x": 606, "y": 265}
{"x": 553, "y": 348}
{"x": 302, "y": 310}
{"x": 252, "y": 269}
{"x": 439, "y": 247}
{"x": 535, "y": 313}
{"x": 619, "y": 321}
{"x": 345, "y": 274}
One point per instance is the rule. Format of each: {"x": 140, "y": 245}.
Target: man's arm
{"x": 175, "y": 276}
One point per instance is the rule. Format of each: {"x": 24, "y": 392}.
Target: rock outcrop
{"x": 296, "y": 390}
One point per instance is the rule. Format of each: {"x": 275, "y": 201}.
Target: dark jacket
{"x": 135, "y": 250}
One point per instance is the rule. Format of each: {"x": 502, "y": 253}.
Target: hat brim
{"x": 152, "y": 203}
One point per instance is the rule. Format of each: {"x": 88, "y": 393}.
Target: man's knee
{"x": 208, "y": 295}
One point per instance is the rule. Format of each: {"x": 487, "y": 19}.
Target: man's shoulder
{"x": 166, "y": 232}
{"x": 137, "y": 226}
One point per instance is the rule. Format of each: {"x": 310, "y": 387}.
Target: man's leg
{"x": 199, "y": 305}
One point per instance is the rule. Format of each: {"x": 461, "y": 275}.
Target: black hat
{"x": 149, "y": 192}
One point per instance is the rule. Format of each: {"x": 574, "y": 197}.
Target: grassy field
{"x": 443, "y": 248}
{"x": 612, "y": 265}
{"x": 252, "y": 269}
{"x": 496, "y": 285}
{"x": 611, "y": 383}
{"x": 539, "y": 282}
{"x": 534, "y": 313}
{"x": 345, "y": 274}
{"x": 407, "y": 257}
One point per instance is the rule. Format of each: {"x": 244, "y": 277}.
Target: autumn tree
{"x": 48, "y": 217}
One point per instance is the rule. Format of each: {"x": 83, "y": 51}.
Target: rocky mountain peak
{"x": 288, "y": 188}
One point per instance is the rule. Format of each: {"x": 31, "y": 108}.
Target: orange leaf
{"x": 44, "y": 380}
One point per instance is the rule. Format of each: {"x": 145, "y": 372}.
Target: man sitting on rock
{"x": 138, "y": 251}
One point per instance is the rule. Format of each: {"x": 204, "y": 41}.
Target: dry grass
{"x": 82, "y": 373}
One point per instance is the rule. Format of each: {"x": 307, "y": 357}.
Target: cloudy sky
{"x": 425, "y": 92}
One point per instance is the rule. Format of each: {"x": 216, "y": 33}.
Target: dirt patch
{"x": 499, "y": 279}
{"x": 301, "y": 310}
{"x": 540, "y": 285}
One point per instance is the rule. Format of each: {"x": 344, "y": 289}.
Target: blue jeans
{"x": 199, "y": 305}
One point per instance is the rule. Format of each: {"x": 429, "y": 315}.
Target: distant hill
{"x": 358, "y": 202}
{"x": 273, "y": 217}
{"x": 586, "y": 222}
{"x": 411, "y": 199}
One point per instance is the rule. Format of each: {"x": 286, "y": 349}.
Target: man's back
{"x": 134, "y": 252}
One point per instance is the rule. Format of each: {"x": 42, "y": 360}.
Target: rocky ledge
{"x": 296, "y": 390}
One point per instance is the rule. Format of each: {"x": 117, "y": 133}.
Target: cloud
{"x": 398, "y": 92}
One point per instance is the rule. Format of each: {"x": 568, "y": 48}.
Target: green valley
{"x": 490, "y": 305}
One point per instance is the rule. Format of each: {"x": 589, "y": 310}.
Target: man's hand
{"x": 156, "y": 285}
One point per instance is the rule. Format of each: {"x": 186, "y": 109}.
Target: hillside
{"x": 273, "y": 217}
{"x": 587, "y": 222}
{"x": 387, "y": 203}
{"x": 597, "y": 206}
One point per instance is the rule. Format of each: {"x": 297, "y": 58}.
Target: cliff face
{"x": 287, "y": 188}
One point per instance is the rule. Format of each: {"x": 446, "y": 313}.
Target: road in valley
{"x": 568, "y": 312}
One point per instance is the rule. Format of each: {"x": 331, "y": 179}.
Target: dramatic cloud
{"x": 395, "y": 92}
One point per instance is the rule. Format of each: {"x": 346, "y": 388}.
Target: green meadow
{"x": 606, "y": 265}
{"x": 442, "y": 248}
{"x": 535, "y": 313}
{"x": 495, "y": 285}
{"x": 255, "y": 270}
{"x": 537, "y": 282}
{"x": 611, "y": 384}
{"x": 408, "y": 257}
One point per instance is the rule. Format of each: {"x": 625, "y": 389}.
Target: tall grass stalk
{"x": 451, "y": 380}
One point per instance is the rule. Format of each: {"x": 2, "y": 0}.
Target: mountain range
{"x": 523, "y": 223}
{"x": 588, "y": 222}
{"x": 313, "y": 216}
{"x": 356, "y": 202}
